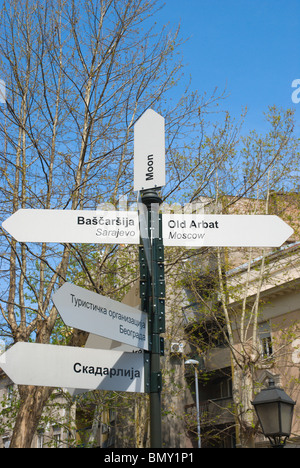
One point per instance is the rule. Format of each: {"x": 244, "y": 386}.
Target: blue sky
{"x": 249, "y": 47}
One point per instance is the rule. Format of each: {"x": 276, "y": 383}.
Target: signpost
{"x": 152, "y": 291}
{"x": 149, "y": 174}
{"x": 66, "y": 366}
{"x": 113, "y": 325}
{"x": 93, "y": 313}
{"x": 74, "y": 226}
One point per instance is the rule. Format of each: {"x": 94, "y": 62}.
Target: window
{"x": 264, "y": 333}
{"x": 10, "y": 394}
{"x": 6, "y": 442}
{"x": 267, "y": 350}
{"x": 57, "y": 440}
{"x": 40, "y": 440}
{"x": 57, "y": 437}
{"x": 226, "y": 388}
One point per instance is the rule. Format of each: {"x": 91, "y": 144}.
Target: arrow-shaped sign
{"x": 100, "y": 315}
{"x": 197, "y": 230}
{"x": 149, "y": 151}
{"x": 65, "y": 366}
{"x": 74, "y": 226}
{"x": 131, "y": 299}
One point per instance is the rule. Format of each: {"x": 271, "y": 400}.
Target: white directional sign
{"x": 78, "y": 226}
{"x": 197, "y": 230}
{"x": 65, "y": 366}
{"x": 131, "y": 299}
{"x": 91, "y": 312}
{"x": 149, "y": 151}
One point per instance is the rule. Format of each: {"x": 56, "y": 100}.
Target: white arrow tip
{"x": 148, "y": 117}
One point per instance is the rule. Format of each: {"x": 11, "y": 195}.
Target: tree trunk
{"x": 242, "y": 397}
{"x": 32, "y": 402}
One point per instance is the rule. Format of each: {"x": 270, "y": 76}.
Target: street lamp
{"x": 196, "y": 363}
{"x": 274, "y": 409}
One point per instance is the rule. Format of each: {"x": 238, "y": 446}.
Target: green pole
{"x": 154, "y": 303}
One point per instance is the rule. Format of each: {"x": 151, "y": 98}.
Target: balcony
{"x": 213, "y": 412}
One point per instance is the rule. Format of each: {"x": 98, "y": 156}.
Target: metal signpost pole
{"x": 153, "y": 294}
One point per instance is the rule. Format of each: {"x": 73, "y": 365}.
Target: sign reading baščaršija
{"x": 76, "y": 226}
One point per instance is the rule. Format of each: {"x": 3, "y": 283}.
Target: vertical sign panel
{"x": 149, "y": 151}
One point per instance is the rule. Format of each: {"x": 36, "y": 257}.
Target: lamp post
{"x": 196, "y": 363}
{"x": 274, "y": 409}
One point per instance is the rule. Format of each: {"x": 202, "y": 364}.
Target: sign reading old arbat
{"x": 198, "y": 230}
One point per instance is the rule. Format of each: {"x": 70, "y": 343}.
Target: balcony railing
{"x": 214, "y": 412}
